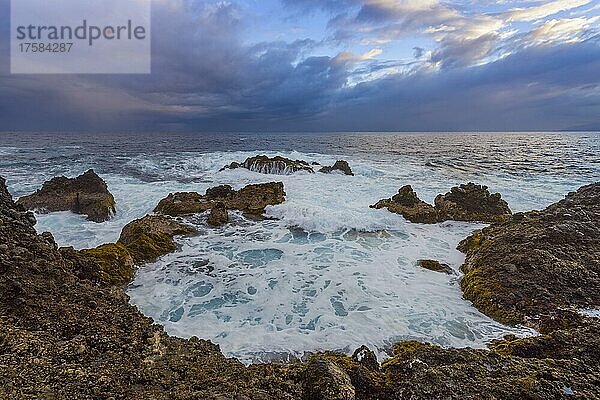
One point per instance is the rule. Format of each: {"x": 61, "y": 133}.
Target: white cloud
{"x": 544, "y": 10}
{"x": 568, "y": 30}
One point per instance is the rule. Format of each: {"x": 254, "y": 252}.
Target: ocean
{"x": 326, "y": 272}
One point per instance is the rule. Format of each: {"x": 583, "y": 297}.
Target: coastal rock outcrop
{"x": 150, "y": 237}
{"x": 470, "y": 203}
{"x": 408, "y": 204}
{"x": 218, "y": 215}
{"x": 271, "y": 165}
{"x": 436, "y": 266}
{"x": 341, "y": 166}
{"x": 63, "y": 335}
{"x": 537, "y": 262}
{"x": 251, "y": 199}
{"x": 87, "y": 194}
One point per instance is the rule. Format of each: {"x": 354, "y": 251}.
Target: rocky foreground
{"x": 67, "y": 330}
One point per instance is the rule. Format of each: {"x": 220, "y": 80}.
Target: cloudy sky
{"x": 334, "y": 65}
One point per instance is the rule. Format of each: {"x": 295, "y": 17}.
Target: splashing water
{"x": 328, "y": 272}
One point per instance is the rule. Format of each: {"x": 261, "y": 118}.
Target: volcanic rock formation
{"x": 87, "y": 194}
{"x": 251, "y": 199}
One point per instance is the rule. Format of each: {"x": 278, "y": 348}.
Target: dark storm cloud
{"x": 541, "y": 88}
{"x": 206, "y": 77}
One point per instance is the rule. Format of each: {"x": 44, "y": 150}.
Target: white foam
{"x": 330, "y": 273}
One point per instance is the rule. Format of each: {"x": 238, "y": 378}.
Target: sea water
{"x": 324, "y": 271}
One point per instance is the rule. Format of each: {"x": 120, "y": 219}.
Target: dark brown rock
{"x": 87, "y": 194}
{"x": 436, "y": 266}
{"x": 150, "y": 237}
{"x": 472, "y": 203}
{"x": 538, "y": 262}
{"x": 251, "y": 199}
{"x": 408, "y": 204}
{"x": 324, "y": 380}
{"x": 218, "y": 215}
{"x": 275, "y": 165}
{"x": 340, "y": 165}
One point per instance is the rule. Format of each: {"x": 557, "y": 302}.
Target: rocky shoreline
{"x": 67, "y": 330}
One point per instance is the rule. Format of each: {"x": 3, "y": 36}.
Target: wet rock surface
{"x": 150, "y": 237}
{"x": 470, "y": 203}
{"x": 408, "y": 204}
{"x": 271, "y": 165}
{"x": 218, "y": 215}
{"x": 435, "y": 266}
{"x": 68, "y": 332}
{"x": 537, "y": 262}
{"x": 87, "y": 194}
{"x": 341, "y": 166}
{"x": 252, "y": 199}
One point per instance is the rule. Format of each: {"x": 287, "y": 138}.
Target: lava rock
{"x": 340, "y": 165}
{"x": 436, "y": 266}
{"x": 87, "y": 194}
{"x": 218, "y": 215}
{"x": 408, "y": 204}
{"x": 324, "y": 380}
{"x": 150, "y": 237}
{"x": 525, "y": 268}
{"x": 251, "y": 199}
{"x": 272, "y": 165}
{"x": 472, "y": 203}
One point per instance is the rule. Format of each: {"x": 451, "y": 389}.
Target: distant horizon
{"x": 291, "y": 132}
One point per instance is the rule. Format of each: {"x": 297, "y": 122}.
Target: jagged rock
{"x": 251, "y": 199}
{"x": 151, "y": 237}
{"x": 87, "y": 194}
{"x": 365, "y": 357}
{"x": 218, "y": 215}
{"x": 115, "y": 263}
{"x": 408, "y": 204}
{"x": 109, "y": 264}
{"x": 537, "y": 262}
{"x": 324, "y": 380}
{"x": 275, "y": 165}
{"x": 471, "y": 202}
{"x": 16, "y": 211}
{"x": 341, "y": 166}
{"x": 436, "y": 266}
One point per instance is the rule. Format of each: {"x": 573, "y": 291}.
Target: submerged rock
{"x": 218, "y": 215}
{"x": 341, "y": 166}
{"x": 408, "y": 204}
{"x": 436, "y": 266}
{"x": 275, "y": 165}
{"x": 537, "y": 262}
{"x": 470, "y": 202}
{"x": 150, "y": 237}
{"x": 87, "y": 194}
{"x": 473, "y": 203}
{"x": 251, "y": 199}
